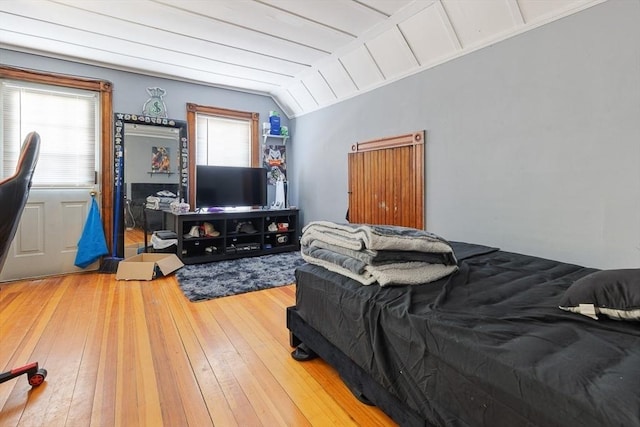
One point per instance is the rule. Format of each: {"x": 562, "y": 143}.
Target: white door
{"x": 68, "y": 122}
{"x": 46, "y": 241}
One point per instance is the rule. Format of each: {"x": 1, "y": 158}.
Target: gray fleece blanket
{"x": 399, "y": 273}
{"x": 369, "y": 256}
{"x": 389, "y": 255}
{"x": 374, "y": 237}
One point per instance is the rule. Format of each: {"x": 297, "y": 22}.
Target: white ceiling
{"x": 306, "y": 54}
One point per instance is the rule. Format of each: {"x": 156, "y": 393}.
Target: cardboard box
{"x": 147, "y": 266}
{"x": 133, "y": 250}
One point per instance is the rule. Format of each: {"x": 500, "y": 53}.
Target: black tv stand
{"x": 242, "y": 233}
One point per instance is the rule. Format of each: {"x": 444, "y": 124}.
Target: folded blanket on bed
{"x": 409, "y": 273}
{"x": 378, "y": 253}
{"x": 376, "y": 237}
{"x": 365, "y": 278}
{"x": 159, "y": 203}
{"x": 373, "y": 257}
{"x": 354, "y": 265}
{"x": 400, "y": 273}
{"x": 153, "y": 202}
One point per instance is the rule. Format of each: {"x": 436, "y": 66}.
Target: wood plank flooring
{"x": 140, "y": 354}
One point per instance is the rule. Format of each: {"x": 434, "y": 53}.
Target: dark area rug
{"x": 202, "y": 282}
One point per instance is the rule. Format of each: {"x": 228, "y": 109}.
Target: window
{"x": 222, "y": 141}
{"x": 67, "y": 120}
{"x": 218, "y": 136}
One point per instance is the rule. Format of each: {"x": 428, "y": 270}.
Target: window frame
{"x": 105, "y": 89}
{"x": 193, "y": 110}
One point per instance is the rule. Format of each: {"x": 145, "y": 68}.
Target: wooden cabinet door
{"x": 386, "y": 181}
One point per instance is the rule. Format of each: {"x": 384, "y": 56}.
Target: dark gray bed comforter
{"x": 486, "y": 346}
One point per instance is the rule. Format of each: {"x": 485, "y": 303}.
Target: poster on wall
{"x": 275, "y": 162}
{"x": 160, "y": 160}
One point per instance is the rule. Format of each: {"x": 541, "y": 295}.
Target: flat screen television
{"x": 226, "y": 186}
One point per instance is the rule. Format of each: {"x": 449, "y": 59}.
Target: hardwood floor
{"x": 140, "y": 354}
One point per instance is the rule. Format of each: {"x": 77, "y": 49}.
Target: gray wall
{"x": 533, "y": 144}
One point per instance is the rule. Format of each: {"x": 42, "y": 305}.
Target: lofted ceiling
{"x": 306, "y": 54}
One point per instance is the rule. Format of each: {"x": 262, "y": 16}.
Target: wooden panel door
{"x": 386, "y": 181}
{"x": 46, "y": 242}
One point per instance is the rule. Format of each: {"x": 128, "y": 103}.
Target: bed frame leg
{"x": 357, "y": 393}
{"x": 294, "y": 341}
{"x": 302, "y": 353}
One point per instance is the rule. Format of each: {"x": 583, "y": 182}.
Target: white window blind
{"x": 67, "y": 121}
{"x": 222, "y": 141}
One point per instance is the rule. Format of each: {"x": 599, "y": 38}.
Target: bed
{"x": 486, "y": 345}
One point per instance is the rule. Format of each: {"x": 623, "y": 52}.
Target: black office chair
{"x": 14, "y": 192}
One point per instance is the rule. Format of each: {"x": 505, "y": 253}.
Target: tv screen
{"x": 225, "y": 186}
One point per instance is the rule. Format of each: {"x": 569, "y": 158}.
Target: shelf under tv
{"x": 232, "y": 243}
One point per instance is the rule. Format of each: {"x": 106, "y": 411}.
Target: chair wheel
{"x": 38, "y": 378}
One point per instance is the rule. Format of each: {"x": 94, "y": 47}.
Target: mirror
{"x": 151, "y": 170}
